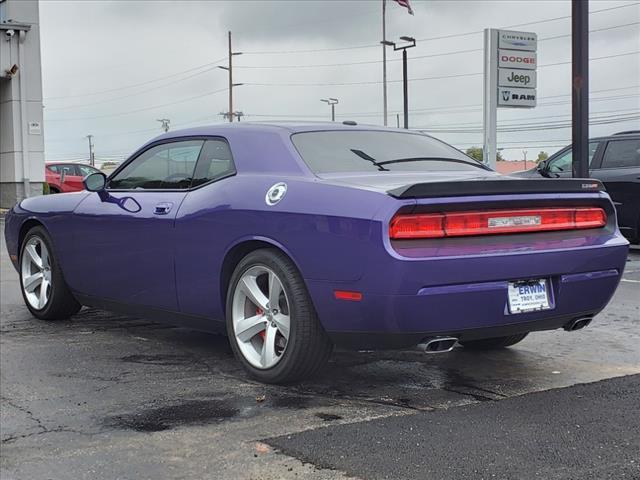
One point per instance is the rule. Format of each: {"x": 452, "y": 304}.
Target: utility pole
{"x": 92, "y": 158}
{"x": 580, "y": 88}
{"x": 236, "y": 114}
{"x": 231, "y": 84}
{"x": 332, "y": 102}
{"x": 165, "y": 124}
{"x": 524, "y": 152}
{"x": 384, "y": 61}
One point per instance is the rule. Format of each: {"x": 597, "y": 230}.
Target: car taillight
{"x": 491, "y": 222}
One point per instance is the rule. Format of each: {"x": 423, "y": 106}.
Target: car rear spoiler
{"x": 497, "y": 186}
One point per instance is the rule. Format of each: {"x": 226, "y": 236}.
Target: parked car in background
{"x": 66, "y": 177}
{"x": 615, "y": 161}
{"x": 293, "y": 238}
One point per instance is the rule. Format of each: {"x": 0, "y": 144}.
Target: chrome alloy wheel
{"x": 36, "y": 273}
{"x": 260, "y": 316}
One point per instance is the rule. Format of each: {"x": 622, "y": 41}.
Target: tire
{"x": 57, "y": 303}
{"x": 306, "y": 349}
{"x": 494, "y": 343}
{"x": 53, "y": 190}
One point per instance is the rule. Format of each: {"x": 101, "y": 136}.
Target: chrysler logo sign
{"x": 518, "y": 40}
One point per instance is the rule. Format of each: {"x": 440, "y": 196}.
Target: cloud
{"x": 108, "y": 47}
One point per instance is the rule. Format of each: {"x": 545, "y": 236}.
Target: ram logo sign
{"x": 516, "y": 97}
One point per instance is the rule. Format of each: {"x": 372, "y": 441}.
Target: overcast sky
{"x": 112, "y": 69}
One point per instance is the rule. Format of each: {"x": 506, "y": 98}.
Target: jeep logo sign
{"x": 517, "y": 59}
{"x": 516, "y": 97}
{"x": 508, "y": 77}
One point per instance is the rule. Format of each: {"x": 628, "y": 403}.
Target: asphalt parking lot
{"x": 104, "y": 396}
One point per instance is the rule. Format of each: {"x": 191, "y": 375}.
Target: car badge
{"x": 275, "y": 193}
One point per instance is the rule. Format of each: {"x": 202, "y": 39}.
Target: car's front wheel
{"x": 271, "y": 322}
{"x": 43, "y": 287}
{"x": 493, "y": 343}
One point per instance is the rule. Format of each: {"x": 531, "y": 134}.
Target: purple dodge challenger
{"x": 294, "y": 238}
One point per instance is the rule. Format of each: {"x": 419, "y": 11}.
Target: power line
{"x": 456, "y": 108}
{"x": 536, "y": 126}
{"x": 139, "y": 109}
{"x": 429, "y": 39}
{"x": 438, "y": 77}
{"x": 125, "y": 87}
{"x": 417, "y": 57}
{"x": 101, "y": 102}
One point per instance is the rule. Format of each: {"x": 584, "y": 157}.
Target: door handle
{"x": 163, "y": 208}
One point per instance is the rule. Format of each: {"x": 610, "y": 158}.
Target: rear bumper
{"x": 424, "y": 298}
{"x": 393, "y": 340}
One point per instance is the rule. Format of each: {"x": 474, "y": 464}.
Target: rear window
{"x": 370, "y": 151}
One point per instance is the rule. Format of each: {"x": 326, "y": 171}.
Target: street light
{"x": 332, "y": 102}
{"x": 411, "y": 42}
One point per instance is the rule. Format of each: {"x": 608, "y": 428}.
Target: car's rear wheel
{"x": 494, "y": 343}
{"x": 271, "y": 322}
{"x": 43, "y": 287}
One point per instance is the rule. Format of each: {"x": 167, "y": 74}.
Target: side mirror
{"x": 542, "y": 166}
{"x": 95, "y": 182}
{"x": 63, "y": 174}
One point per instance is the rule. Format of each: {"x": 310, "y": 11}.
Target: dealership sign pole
{"x": 510, "y": 79}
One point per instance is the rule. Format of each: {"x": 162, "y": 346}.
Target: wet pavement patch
{"x": 164, "y": 360}
{"x": 289, "y": 401}
{"x": 198, "y": 412}
{"x": 328, "y": 417}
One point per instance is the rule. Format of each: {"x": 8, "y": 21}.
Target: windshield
{"x": 378, "y": 151}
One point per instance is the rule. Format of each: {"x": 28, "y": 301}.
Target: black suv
{"x": 614, "y": 160}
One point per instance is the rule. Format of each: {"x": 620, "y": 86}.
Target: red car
{"x": 66, "y": 177}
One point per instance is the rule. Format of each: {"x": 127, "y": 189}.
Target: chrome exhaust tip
{"x": 578, "y": 324}
{"x": 437, "y": 344}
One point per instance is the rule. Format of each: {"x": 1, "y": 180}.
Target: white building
{"x": 21, "y": 130}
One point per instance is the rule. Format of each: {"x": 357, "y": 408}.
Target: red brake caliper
{"x": 263, "y": 333}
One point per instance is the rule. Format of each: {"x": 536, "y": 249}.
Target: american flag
{"x": 405, "y": 4}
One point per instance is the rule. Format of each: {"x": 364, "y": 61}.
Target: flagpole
{"x": 384, "y": 61}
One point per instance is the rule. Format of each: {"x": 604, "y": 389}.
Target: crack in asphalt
{"x": 13, "y": 438}
{"x": 39, "y": 424}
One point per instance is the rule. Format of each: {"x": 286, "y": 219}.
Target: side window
{"x": 215, "y": 162}
{"x": 166, "y": 166}
{"x": 622, "y": 153}
{"x": 563, "y": 163}
{"x": 53, "y": 168}
{"x": 68, "y": 169}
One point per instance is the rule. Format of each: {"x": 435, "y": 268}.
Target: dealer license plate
{"x": 528, "y": 296}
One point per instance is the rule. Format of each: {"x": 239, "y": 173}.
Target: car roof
{"x": 47, "y": 164}
{"x": 281, "y": 127}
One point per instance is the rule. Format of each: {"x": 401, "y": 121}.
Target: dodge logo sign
{"x": 517, "y": 59}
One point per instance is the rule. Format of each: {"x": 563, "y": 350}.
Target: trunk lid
{"x": 455, "y": 183}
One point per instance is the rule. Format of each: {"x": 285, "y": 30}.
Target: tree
{"x": 476, "y": 152}
{"x": 542, "y": 156}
